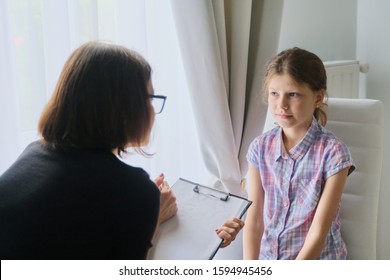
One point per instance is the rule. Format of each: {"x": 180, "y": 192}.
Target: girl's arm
{"x": 254, "y": 224}
{"x": 323, "y": 218}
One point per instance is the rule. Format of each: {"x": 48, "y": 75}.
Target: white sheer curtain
{"x": 224, "y": 45}
{"x": 37, "y": 36}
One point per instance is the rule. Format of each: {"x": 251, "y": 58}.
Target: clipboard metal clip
{"x": 223, "y": 197}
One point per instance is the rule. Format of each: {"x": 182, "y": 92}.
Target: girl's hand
{"x": 229, "y": 230}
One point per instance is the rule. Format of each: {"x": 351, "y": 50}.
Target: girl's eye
{"x": 293, "y": 94}
{"x": 272, "y": 93}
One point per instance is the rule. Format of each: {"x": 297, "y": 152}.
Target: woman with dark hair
{"x": 68, "y": 196}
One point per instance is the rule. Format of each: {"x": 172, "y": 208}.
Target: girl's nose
{"x": 283, "y": 103}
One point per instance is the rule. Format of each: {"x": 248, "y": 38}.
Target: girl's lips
{"x": 284, "y": 116}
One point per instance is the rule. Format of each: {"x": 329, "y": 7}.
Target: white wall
{"x": 350, "y": 29}
{"x": 373, "y": 46}
{"x": 327, "y": 28}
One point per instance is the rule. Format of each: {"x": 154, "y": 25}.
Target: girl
{"x": 297, "y": 171}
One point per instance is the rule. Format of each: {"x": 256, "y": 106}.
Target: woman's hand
{"x": 229, "y": 230}
{"x": 168, "y": 206}
{"x": 159, "y": 180}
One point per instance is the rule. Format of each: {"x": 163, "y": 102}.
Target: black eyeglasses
{"x": 158, "y": 102}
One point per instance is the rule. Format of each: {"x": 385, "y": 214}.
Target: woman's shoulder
{"x": 35, "y": 146}
{"x": 126, "y": 170}
{"x": 131, "y": 181}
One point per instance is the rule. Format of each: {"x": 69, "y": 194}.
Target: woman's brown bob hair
{"x": 101, "y": 100}
{"x": 304, "y": 67}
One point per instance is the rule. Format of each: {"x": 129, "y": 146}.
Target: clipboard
{"x": 190, "y": 234}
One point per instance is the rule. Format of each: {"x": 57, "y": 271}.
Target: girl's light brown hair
{"x": 100, "y": 101}
{"x": 304, "y": 67}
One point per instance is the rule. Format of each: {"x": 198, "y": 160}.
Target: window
{"x": 38, "y": 36}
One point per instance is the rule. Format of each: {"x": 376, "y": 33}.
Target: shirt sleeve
{"x": 337, "y": 159}
{"x": 253, "y": 155}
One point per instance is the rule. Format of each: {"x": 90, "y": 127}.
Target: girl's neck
{"x": 290, "y": 142}
{"x": 291, "y": 138}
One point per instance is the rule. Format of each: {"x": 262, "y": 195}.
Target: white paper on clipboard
{"x": 190, "y": 235}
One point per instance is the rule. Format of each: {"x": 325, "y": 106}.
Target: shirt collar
{"x": 298, "y": 151}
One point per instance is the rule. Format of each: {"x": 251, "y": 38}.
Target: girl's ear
{"x": 320, "y": 95}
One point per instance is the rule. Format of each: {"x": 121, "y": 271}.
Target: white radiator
{"x": 343, "y": 78}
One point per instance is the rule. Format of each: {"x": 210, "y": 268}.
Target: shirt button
{"x": 285, "y": 203}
